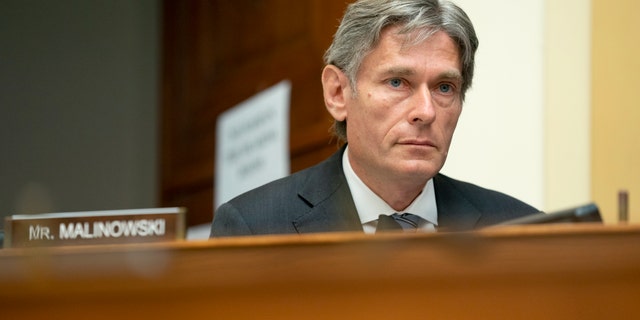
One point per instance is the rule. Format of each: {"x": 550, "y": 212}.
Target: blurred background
{"x": 79, "y": 101}
{"x": 111, "y": 104}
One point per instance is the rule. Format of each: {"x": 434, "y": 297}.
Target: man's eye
{"x": 445, "y": 88}
{"x": 395, "y": 82}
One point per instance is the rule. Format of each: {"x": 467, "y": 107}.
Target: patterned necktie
{"x": 406, "y": 222}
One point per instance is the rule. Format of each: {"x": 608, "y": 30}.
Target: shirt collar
{"x": 370, "y": 205}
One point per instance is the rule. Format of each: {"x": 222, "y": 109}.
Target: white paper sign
{"x": 252, "y": 146}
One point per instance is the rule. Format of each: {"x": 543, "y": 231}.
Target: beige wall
{"x": 567, "y": 103}
{"x": 532, "y": 82}
{"x": 498, "y": 143}
{"x": 615, "y": 139}
{"x": 592, "y": 137}
{"x": 590, "y": 121}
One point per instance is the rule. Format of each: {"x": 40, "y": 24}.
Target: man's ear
{"x": 335, "y": 87}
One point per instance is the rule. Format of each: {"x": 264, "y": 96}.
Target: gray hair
{"x": 364, "y": 20}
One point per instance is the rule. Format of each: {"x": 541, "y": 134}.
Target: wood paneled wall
{"x": 216, "y": 54}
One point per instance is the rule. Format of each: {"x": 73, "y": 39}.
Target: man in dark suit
{"x": 395, "y": 78}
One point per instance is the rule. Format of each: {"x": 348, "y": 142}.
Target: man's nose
{"x": 422, "y": 108}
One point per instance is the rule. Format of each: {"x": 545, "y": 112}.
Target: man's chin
{"x": 419, "y": 170}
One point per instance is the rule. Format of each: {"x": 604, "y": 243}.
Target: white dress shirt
{"x": 370, "y": 205}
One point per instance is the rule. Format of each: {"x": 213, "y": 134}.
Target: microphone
{"x": 584, "y": 213}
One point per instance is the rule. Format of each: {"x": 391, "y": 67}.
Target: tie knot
{"x": 407, "y": 222}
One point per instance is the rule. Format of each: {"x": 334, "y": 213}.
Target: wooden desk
{"x": 533, "y": 272}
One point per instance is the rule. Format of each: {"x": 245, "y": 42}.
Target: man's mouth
{"x": 418, "y": 143}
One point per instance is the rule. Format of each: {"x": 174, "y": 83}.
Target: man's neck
{"x": 398, "y": 195}
{"x": 397, "y": 192}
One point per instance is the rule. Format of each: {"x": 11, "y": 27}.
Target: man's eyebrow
{"x": 451, "y": 75}
{"x": 398, "y": 71}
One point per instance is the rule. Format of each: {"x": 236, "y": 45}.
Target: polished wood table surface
{"x": 523, "y": 272}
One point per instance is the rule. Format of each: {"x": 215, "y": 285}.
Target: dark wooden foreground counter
{"x": 535, "y": 272}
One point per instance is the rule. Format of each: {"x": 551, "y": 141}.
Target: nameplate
{"x": 95, "y": 227}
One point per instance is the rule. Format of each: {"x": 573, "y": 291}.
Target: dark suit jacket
{"x": 318, "y": 199}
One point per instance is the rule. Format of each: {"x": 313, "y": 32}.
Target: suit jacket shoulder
{"x": 316, "y": 199}
{"x": 465, "y": 206}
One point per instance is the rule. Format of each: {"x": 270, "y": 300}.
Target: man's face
{"x": 401, "y": 120}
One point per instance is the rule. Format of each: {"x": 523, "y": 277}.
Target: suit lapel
{"x": 455, "y": 212}
{"x": 331, "y": 206}
{"x": 327, "y": 193}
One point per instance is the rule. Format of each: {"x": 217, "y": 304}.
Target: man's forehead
{"x": 409, "y": 37}
{"x": 390, "y": 62}
{"x": 406, "y": 41}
